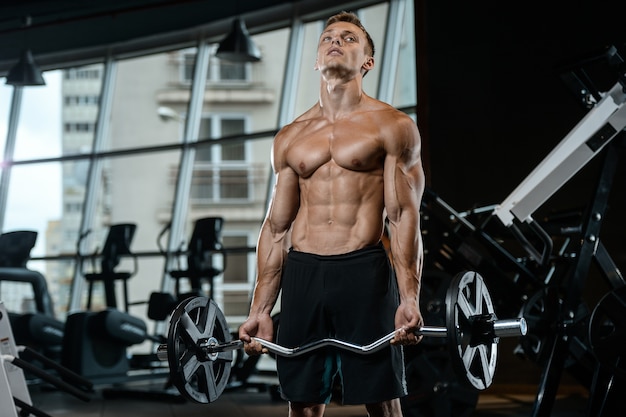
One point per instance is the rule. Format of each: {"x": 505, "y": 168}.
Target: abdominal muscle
{"x": 340, "y": 211}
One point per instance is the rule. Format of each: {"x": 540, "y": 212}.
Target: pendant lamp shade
{"x": 237, "y": 46}
{"x": 25, "y": 72}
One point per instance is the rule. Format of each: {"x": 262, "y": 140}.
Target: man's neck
{"x": 340, "y": 96}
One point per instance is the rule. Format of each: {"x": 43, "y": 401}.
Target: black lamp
{"x": 238, "y": 45}
{"x": 25, "y": 72}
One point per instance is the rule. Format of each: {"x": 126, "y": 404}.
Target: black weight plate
{"x": 541, "y": 312}
{"x": 467, "y": 297}
{"x": 607, "y": 332}
{"x": 198, "y": 376}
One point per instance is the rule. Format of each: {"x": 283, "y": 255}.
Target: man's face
{"x": 342, "y": 48}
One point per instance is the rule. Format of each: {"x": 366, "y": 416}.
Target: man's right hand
{"x": 261, "y": 326}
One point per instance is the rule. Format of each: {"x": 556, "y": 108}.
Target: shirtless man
{"x": 340, "y": 168}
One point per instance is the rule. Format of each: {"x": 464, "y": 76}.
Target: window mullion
{"x": 94, "y": 174}
{"x": 185, "y": 170}
{"x": 9, "y": 149}
{"x": 391, "y": 51}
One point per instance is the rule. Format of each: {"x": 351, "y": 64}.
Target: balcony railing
{"x": 228, "y": 183}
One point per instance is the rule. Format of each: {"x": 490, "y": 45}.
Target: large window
{"x": 219, "y": 72}
{"x": 221, "y": 172}
{"x": 161, "y": 138}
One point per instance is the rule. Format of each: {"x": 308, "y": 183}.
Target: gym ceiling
{"x": 78, "y": 31}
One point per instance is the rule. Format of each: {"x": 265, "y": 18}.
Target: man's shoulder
{"x": 397, "y": 127}
{"x": 292, "y": 128}
{"x": 299, "y": 122}
{"x": 310, "y": 114}
{"x": 386, "y": 110}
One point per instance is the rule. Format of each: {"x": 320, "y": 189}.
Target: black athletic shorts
{"x": 351, "y": 297}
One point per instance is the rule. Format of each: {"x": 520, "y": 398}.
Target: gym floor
{"x": 494, "y": 402}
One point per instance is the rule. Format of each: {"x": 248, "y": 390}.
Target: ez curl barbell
{"x": 199, "y": 347}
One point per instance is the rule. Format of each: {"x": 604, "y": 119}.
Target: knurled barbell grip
{"x": 502, "y": 328}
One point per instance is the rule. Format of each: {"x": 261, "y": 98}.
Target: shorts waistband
{"x": 355, "y": 254}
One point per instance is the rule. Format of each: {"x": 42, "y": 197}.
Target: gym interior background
{"x": 128, "y": 130}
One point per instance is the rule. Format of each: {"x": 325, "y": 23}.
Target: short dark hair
{"x": 351, "y": 17}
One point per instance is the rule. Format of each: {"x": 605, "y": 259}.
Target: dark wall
{"x": 496, "y": 102}
{"x": 492, "y": 105}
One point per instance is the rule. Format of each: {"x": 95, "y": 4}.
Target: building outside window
{"x": 221, "y": 171}
{"x": 132, "y": 173}
{"x": 219, "y": 71}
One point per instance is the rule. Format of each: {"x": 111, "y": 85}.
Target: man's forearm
{"x": 406, "y": 247}
{"x": 271, "y": 256}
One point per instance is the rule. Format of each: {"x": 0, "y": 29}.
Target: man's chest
{"x": 348, "y": 144}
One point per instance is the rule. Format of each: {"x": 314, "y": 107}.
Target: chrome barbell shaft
{"x": 510, "y": 327}
{"x": 501, "y": 328}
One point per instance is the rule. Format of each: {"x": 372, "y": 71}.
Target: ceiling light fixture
{"x": 25, "y": 72}
{"x": 237, "y": 46}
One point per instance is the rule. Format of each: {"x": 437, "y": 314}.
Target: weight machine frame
{"x": 14, "y": 394}
{"x": 598, "y": 132}
{"x": 12, "y": 380}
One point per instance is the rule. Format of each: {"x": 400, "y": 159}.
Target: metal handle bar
{"x": 501, "y": 328}
{"x": 301, "y": 350}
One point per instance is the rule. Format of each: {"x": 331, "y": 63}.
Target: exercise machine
{"x": 600, "y": 131}
{"x": 15, "y": 397}
{"x": 200, "y": 271}
{"x": 541, "y": 266}
{"x": 96, "y": 342}
{"x": 26, "y": 296}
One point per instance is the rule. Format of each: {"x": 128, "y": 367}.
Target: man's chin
{"x": 337, "y": 69}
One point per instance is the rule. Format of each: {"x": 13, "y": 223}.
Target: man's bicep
{"x": 285, "y": 197}
{"x": 411, "y": 167}
{"x": 404, "y": 174}
{"x": 285, "y": 200}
